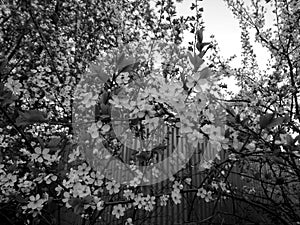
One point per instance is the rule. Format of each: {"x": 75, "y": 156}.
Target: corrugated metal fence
{"x": 192, "y": 210}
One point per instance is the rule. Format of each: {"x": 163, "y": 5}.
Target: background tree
{"x": 263, "y": 118}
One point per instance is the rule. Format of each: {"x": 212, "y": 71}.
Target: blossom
{"x": 66, "y": 199}
{"x": 139, "y": 201}
{"x": 149, "y": 203}
{"x": 118, "y": 211}
{"x": 83, "y": 169}
{"x": 99, "y": 179}
{"x": 58, "y": 189}
{"x": 99, "y": 203}
{"x": 215, "y": 133}
{"x": 113, "y": 187}
{"x": 232, "y": 157}
{"x": 123, "y": 78}
{"x": 1, "y": 168}
{"x": 93, "y": 130}
{"x": 35, "y": 204}
{"x": 177, "y": 186}
{"x": 222, "y": 186}
{"x": 14, "y": 85}
{"x": 8, "y": 180}
{"x": 204, "y": 194}
{"x": 49, "y": 178}
{"x": 214, "y": 184}
{"x": 208, "y": 196}
{"x": 188, "y": 180}
{"x": 81, "y": 190}
{"x": 89, "y": 178}
{"x": 89, "y": 100}
{"x": 26, "y": 186}
{"x": 73, "y": 155}
{"x": 163, "y": 200}
{"x": 129, "y": 221}
{"x": 207, "y": 164}
{"x": 176, "y": 196}
{"x": 40, "y": 155}
{"x": 201, "y": 192}
{"x": 135, "y": 182}
{"x": 128, "y": 194}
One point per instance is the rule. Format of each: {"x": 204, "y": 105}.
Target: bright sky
{"x": 220, "y": 22}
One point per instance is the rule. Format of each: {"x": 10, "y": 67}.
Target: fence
{"x": 192, "y": 210}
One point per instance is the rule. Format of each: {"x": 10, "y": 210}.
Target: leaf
{"x": 130, "y": 67}
{"x": 120, "y": 59}
{"x": 297, "y": 138}
{"x": 268, "y": 121}
{"x": 117, "y": 91}
{"x": 289, "y": 140}
{"x": 20, "y": 199}
{"x": 205, "y": 73}
{"x": 183, "y": 80}
{"x": 199, "y": 35}
{"x": 195, "y": 60}
{"x": 31, "y": 117}
{"x": 126, "y": 64}
{"x": 6, "y": 96}
{"x": 105, "y": 109}
{"x": 105, "y": 97}
{"x": 200, "y": 46}
{"x": 287, "y": 118}
{"x": 41, "y": 142}
{"x": 245, "y": 121}
{"x": 97, "y": 69}
{"x": 276, "y": 122}
{"x": 191, "y": 58}
{"x": 77, "y": 205}
{"x": 54, "y": 142}
{"x": 265, "y": 120}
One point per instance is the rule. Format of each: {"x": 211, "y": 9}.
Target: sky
{"x": 220, "y": 22}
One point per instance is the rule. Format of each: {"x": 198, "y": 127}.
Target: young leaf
{"x": 276, "y": 122}
{"x": 265, "y": 120}
{"x": 205, "y": 73}
{"x": 77, "y": 205}
{"x": 97, "y": 70}
{"x": 120, "y": 59}
{"x": 191, "y": 58}
{"x": 199, "y": 35}
{"x": 126, "y": 65}
{"x": 200, "y": 46}
{"x": 195, "y": 60}
{"x": 269, "y": 120}
{"x": 31, "y": 117}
